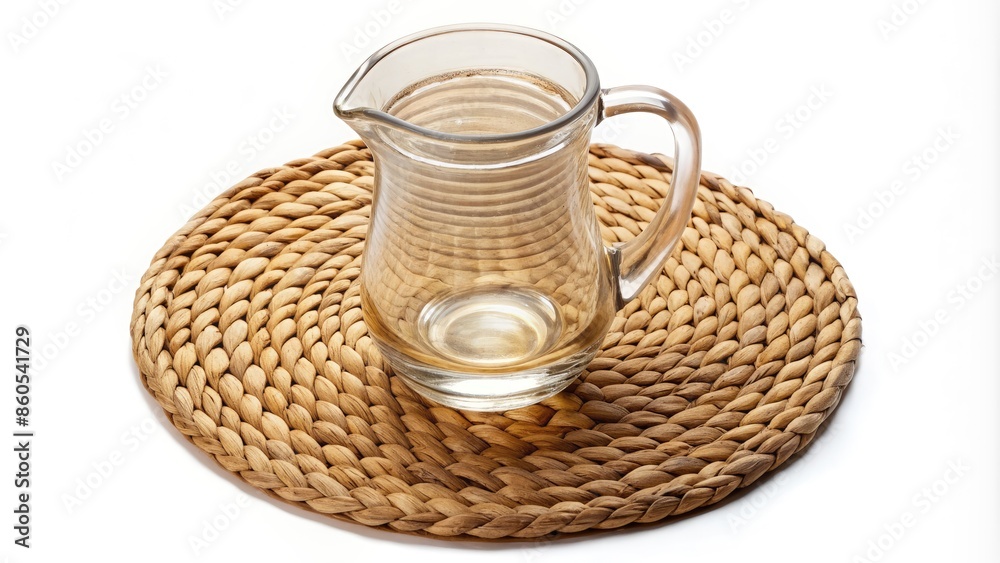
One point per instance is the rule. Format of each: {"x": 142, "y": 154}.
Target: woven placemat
{"x": 247, "y": 330}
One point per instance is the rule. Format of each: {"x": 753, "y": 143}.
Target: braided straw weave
{"x": 247, "y": 330}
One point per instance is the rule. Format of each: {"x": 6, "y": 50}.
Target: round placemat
{"x": 247, "y": 330}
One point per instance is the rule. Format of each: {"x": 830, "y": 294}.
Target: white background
{"x": 928, "y": 73}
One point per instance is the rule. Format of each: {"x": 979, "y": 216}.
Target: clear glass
{"x": 485, "y": 283}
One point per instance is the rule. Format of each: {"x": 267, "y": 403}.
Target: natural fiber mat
{"x": 247, "y": 330}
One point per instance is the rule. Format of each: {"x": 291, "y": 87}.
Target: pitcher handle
{"x": 634, "y": 263}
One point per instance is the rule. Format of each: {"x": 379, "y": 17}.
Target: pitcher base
{"x": 488, "y": 392}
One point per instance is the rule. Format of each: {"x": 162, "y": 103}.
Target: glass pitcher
{"x": 485, "y": 283}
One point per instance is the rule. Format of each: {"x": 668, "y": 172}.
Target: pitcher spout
{"x": 363, "y": 100}
{"x": 522, "y": 96}
{"x": 356, "y": 104}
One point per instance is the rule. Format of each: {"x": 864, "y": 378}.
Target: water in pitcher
{"x": 490, "y": 326}
{"x": 481, "y": 102}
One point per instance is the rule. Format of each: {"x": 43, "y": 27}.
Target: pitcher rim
{"x": 589, "y": 97}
